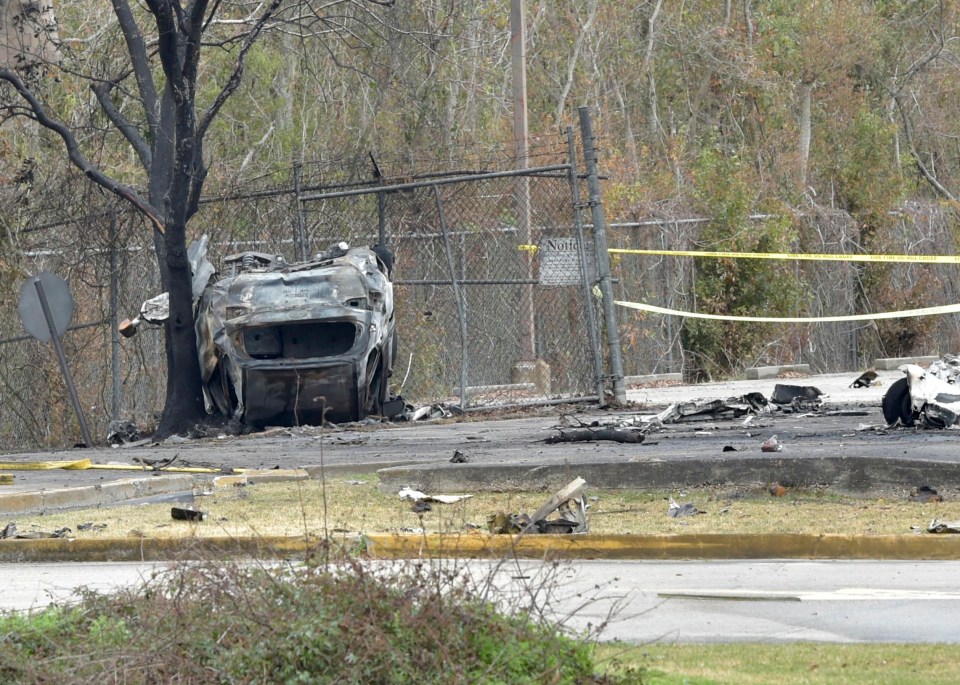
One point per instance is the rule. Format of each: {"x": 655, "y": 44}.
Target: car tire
{"x": 897, "y": 404}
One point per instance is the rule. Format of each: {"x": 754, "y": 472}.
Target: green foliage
{"x": 221, "y": 624}
{"x": 741, "y": 287}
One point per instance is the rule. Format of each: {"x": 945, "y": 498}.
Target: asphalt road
{"x": 641, "y": 602}
{"x": 844, "y": 447}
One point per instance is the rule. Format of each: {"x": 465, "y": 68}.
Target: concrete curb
{"x": 858, "y": 475}
{"x": 99, "y": 494}
{"x": 483, "y": 546}
{"x": 708, "y": 546}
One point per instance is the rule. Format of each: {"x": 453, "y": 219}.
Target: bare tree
{"x": 152, "y": 101}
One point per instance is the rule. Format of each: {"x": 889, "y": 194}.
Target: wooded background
{"x": 783, "y": 125}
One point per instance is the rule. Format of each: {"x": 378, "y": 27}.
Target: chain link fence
{"x": 483, "y": 316}
{"x": 651, "y": 343}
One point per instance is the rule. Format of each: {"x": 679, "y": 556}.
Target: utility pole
{"x": 528, "y": 368}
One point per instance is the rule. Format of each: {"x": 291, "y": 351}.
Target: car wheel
{"x": 898, "y": 405}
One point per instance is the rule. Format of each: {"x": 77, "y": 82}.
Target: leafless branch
{"x": 76, "y": 156}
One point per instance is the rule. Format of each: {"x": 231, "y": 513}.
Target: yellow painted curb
{"x": 481, "y": 545}
{"x": 716, "y": 546}
{"x": 72, "y": 464}
{"x": 152, "y": 549}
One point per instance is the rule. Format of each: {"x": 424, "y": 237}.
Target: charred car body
{"x": 295, "y": 343}
{"x": 930, "y": 395}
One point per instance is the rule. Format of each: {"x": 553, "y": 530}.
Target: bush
{"x": 344, "y": 624}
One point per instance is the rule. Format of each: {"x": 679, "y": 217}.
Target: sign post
{"x": 46, "y": 308}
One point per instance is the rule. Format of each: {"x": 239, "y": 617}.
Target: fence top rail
{"x": 466, "y": 178}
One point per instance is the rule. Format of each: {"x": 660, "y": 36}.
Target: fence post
{"x": 114, "y": 322}
{"x": 301, "y": 237}
{"x": 458, "y": 296}
{"x": 603, "y": 257}
{"x": 593, "y": 336}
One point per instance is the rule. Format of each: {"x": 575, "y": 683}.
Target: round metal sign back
{"x": 59, "y": 300}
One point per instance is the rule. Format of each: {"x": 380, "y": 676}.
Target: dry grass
{"x": 792, "y": 664}
{"x": 355, "y": 505}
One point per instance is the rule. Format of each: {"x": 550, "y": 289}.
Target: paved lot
{"x": 831, "y": 449}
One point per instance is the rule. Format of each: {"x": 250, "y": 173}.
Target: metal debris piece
{"x": 91, "y": 526}
{"x": 937, "y": 526}
{"x": 10, "y": 532}
{"x": 604, "y": 433}
{"x": 417, "y": 496}
{"x": 122, "y": 433}
{"x": 771, "y": 444}
{"x": 925, "y": 493}
{"x": 291, "y": 343}
{"x": 420, "y": 506}
{"x": 797, "y": 397}
{"x": 930, "y": 394}
{"x": 182, "y": 514}
{"x": 675, "y": 510}
{"x": 865, "y": 379}
{"x": 568, "y": 502}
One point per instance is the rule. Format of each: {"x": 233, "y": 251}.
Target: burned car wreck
{"x": 293, "y": 343}
{"x": 931, "y": 395}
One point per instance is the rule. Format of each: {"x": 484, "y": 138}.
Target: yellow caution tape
{"x": 809, "y": 257}
{"x": 919, "y": 258}
{"x": 928, "y": 311}
{"x": 75, "y": 465}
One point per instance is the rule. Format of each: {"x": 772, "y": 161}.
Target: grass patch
{"x": 788, "y": 664}
{"x": 356, "y": 505}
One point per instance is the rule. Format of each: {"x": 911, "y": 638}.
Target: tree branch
{"x": 76, "y": 155}
{"x": 128, "y": 130}
{"x": 908, "y": 134}
{"x": 137, "y": 48}
{"x": 234, "y": 81}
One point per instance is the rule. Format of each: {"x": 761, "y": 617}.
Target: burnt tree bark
{"x": 168, "y": 141}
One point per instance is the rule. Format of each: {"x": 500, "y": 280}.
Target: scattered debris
{"x": 675, "y": 510}
{"x": 929, "y": 394}
{"x": 6, "y": 479}
{"x": 420, "y": 506}
{"x": 432, "y": 412}
{"x": 865, "y": 379}
{"x": 771, "y": 444}
{"x": 631, "y": 435}
{"x": 943, "y": 526}
{"x": 459, "y": 457}
{"x": 122, "y": 433}
{"x": 181, "y": 514}
{"x": 156, "y": 464}
{"x": 417, "y": 496}
{"x": 777, "y": 490}
{"x": 797, "y": 397}
{"x": 751, "y": 403}
{"x": 925, "y": 493}
{"x": 568, "y": 502}
{"x": 10, "y": 532}
{"x": 729, "y": 448}
{"x": 91, "y": 526}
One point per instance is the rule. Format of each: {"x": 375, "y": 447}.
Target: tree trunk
{"x": 806, "y": 96}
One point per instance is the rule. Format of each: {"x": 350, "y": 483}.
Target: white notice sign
{"x": 560, "y": 262}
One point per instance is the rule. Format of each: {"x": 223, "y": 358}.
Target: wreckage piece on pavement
{"x": 931, "y": 395}
{"x": 292, "y": 344}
